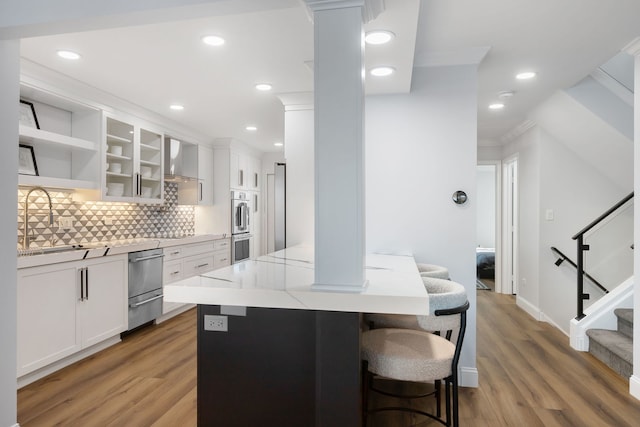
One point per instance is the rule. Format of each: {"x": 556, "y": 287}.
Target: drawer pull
{"x": 223, "y": 259}
{"x": 202, "y": 265}
{"x": 175, "y": 272}
{"x": 175, "y": 253}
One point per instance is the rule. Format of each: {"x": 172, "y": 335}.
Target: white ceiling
{"x": 159, "y": 64}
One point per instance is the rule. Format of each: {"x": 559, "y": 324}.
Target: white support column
{"x": 339, "y": 157}
{"x": 10, "y": 90}
{"x": 633, "y": 48}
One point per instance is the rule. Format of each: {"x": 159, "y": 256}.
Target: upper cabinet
{"x": 205, "y": 175}
{"x": 64, "y": 136}
{"x": 244, "y": 171}
{"x": 133, "y": 162}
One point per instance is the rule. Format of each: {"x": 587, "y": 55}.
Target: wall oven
{"x": 240, "y": 247}
{"x": 240, "y": 212}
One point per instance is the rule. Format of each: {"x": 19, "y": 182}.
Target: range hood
{"x": 180, "y": 160}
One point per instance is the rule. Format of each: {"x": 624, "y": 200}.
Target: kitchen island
{"x": 283, "y": 353}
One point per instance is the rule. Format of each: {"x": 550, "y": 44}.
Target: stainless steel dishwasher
{"x": 145, "y": 287}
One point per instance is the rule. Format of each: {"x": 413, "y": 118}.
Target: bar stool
{"x": 420, "y": 356}
{"x": 442, "y": 294}
{"x": 432, "y": 270}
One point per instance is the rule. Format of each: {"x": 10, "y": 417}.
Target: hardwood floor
{"x": 529, "y": 376}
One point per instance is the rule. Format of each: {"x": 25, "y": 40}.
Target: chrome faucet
{"x": 25, "y": 240}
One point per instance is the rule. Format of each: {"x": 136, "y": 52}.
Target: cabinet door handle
{"x": 241, "y": 177}
{"x": 202, "y": 265}
{"x": 175, "y": 253}
{"x": 255, "y": 202}
{"x": 255, "y": 175}
{"x": 86, "y": 283}
{"x": 175, "y": 272}
{"x": 82, "y": 284}
{"x": 200, "y": 199}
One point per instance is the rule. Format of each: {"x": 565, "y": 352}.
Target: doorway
{"x": 510, "y": 226}
{"x": 488, "y": 230}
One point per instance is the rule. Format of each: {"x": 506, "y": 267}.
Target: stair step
{"x": 625, "y": 320}
{"x": 613, "y": 348}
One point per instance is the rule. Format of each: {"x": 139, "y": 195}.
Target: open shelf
{"x": 116, "y": 138}
{"x": 39, "y": 136}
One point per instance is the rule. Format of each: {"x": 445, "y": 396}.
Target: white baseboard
{"x": 531, "y": 309}
{"x": 56, "y": 366}
{"x": 468, "y": 377}
{"x": 634, "y": 386}
{"x": 548, "y": 320}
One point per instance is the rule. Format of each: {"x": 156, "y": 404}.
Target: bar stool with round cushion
{"x": 432, "y": 270}
{"x": 420, "y": 356}
{"x": 442, "y": 294}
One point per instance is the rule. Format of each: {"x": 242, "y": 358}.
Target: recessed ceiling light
{"x": 263, "y": 86}
{"x": 278, "y": 144}
{"x": 251, "y": 128}
{"x": 213, "y": 40}
{"x": 525, "y": 75}
{"x": 496, "y": 106}
{"x": 68, "y": 54}
{"x": 176, "y": 107}
{"x": 378, "y": 37}
{"x": 382, "y": 71}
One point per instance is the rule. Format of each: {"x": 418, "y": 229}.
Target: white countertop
{"x": 283, "y": 279}
{"x": 95, "y": 250}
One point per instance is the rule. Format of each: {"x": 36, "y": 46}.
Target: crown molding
{"x": 370, "y": 8}
{"x": 517, "y": 131}
{"x": 295, "y": 101}
{"x": 633, "y": 48}
{"x": 613, "y": 85}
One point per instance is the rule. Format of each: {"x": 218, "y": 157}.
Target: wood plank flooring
{"x": 529, "y": 376}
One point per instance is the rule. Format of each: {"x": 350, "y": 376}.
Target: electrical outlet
{"x": 65, "y": 222}
{"x": 215, "y": 323}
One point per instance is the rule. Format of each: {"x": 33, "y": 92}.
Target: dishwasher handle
{"x": 144, "y": 258}
{"x": 147, "y": 301}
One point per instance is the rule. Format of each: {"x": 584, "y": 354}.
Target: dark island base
{"x": 277, "y": 367}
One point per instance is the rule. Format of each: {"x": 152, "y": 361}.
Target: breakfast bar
{"x": 272, "y": 350}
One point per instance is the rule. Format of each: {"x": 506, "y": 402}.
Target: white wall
{"x": 298, "y": 151}
{"x": 420, "y": 148}
{"x": 9, "y": 77}
{"x": 526, "y": 147}
{"x": 486, "y": 206}
{"x": 634, "y": 381}
{"x": 553, "y": 178}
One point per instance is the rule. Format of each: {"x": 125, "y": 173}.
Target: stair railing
{"x": 563, "y": 257}
{"x": 582, "y": 248}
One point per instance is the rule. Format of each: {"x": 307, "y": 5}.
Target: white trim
{"x": 547, "y": 319}
{"x": 517, "y": 131}
{"x": 634, "y": 386}
{"x": 498, "y": 220}
{"x": 600, "y": 314}
{"x": 508, "y": 280}
{"x": 529, "y": 308}
{"x": 468, "y": 377}
{"x": 56, "y": 366}
{"x": 633, "y": 48}
{"x": 618, "y": 89}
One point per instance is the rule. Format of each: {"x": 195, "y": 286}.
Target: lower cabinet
{"x": 67, "y": 307}
{"x": 181, "y": 262}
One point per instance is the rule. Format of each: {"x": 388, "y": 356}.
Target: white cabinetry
{"x": 183, "y": 261}
{"x": 205, "y": 175}
{"x": 255, "y": 221}
{"x": 67, "y": 145}
{"x": 133, "y": 162}
{"x": 233, "y": 170}
{"x": 66, "y": 307}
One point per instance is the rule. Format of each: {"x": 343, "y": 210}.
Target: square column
{"x": 339, "y": 151}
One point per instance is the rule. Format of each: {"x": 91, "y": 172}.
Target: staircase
{"x": 615, "y": 348}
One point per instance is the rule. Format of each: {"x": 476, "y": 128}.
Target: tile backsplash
{"x": 97, "y": 222}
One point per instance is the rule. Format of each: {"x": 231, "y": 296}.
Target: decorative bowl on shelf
{"x": 115, "y": 189}
{"x": 145, "y": 171}
{"x": 115, "y": 167}
{"x": 116, "y": 150}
